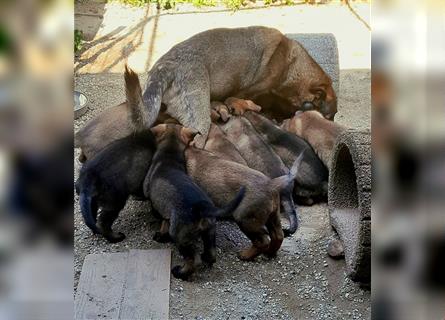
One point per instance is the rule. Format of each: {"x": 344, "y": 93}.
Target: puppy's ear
{"x": 187, "y": 135}
{"x": 253, "y": 106}
{"x": 214, "y": 116}
{"x": 159, "y": 129}
{"x": 224, "y": 113}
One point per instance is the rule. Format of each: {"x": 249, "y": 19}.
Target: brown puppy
{"x": 244, "y": 63}
{"x": 220, "y": 146}
{"x": 319, "y": 132}
{"x": 258, "y": 215}
{"x": 110, "y": 125}
{"x": 260, "y": 156}
{"x": 311, "y": 181}
{"x": 114, "y": 123}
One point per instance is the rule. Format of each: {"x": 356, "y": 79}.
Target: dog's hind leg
{"x": 163, "y": 235}
{"x": 104, "y": 223}
{"x": 209, "y": 240}
{"x": 260, "y": 241}
{"x": 189, "y": 253}
{"x": 190, "y": 104}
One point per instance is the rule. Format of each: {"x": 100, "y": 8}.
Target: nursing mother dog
{"x": 245, "y": 63}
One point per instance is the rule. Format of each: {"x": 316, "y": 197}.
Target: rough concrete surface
{"x": 303, "y": 282}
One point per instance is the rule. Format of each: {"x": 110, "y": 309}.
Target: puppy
{"x": 312, "y": 180}
{"x": 315, "y": 129}
{"x": 108, "y": 179}
{"x": 220, "y": 146}
{"x": 190, "y": 212}
{"x": 258, "y": 215}
{"x": 260, "y": 156}
{"x": 114, "y": 123}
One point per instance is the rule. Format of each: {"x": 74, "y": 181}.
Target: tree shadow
{"x": 127, "y": 42}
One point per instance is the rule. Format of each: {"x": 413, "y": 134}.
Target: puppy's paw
{"x": 239, "y": 106}
{"x": 271, "y": 255}
{"x": 161, "y": 237}
{"x": 287, "y": 232}
{"x": 246, "y": 255}
{"x": 115, "y": 237}
{"x": 178, "y": 274}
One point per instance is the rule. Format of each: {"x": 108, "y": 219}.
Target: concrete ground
{"x": 302, "y": 282}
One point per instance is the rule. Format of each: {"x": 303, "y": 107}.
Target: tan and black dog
{"x": 244, "y": 63}
{"x": 260, "y": 156}
{"x": 258, "y": 215}
{"x": 174, "y": 195}
{"x": 319, "y": 132}
{"x": 312, "y": 179}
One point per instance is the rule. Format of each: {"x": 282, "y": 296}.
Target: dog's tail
{"x": 288, "y": 208}
{"x": 226, "y": 212}
{"x": 283, "y": 182}
{"x": 133, "y": 92}
{"x": 88, "y": 205}
{"x": 222, "y": 213}
{"x": 285, "y": 185}
{"x": 144, "y": 107}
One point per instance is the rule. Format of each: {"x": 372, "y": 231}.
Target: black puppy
{"x": 178, "y": 199}
{"x": 110, "y": 177}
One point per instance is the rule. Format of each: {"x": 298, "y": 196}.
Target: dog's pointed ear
{"x": 214, "y": 116}
{"x": 224, "y": 113}
{"x": 159, "y": 129}
{"x": 187, "y": 134}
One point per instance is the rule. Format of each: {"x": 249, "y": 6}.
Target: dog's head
{"x": 300, "y": 121}
{"x": 167, "y": 133}
{"x": 305, "y": 86}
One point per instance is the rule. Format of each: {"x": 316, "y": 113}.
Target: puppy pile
{"x": 250, "y": 171}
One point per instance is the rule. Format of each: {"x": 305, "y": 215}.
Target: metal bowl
{"x": 80, "y": 102}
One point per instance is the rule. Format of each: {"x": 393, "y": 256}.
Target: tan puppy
{"x": 315, "y": 129}
{"x": 114, "y": 123}
{"x": 220, "y": 146}
{"x": 258, "y": 214}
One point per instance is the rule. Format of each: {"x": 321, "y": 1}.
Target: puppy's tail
{"x": 133, "y": 92}
{"x": 226, "y": 212}
{"x": 283, "y": 182}
{"x": 144, "y": 107}
{"x": 285, "y": 185}
{"x": 87, "y": 206}
{"x": 288, "y": 208}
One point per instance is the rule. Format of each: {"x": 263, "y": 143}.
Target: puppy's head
{"x": 305, "y": 86}
{"x": 169, "y": 133}
{"x": 299, "y": 123}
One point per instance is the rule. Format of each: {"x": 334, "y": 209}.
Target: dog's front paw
{"x": 161, "y": 237}
{"x": 239, "y": 106}
{"x": 179, "y": 274}
{"x": 115, "y": 237}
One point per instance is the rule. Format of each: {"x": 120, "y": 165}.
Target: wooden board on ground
{"x": 127, "y": 285}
